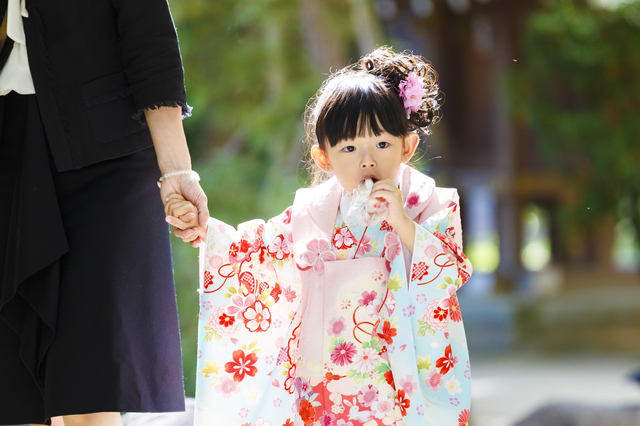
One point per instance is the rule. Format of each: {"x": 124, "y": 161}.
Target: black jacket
{"x": 96, "y": 64}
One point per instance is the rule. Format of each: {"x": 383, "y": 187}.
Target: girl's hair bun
{"x": 395, "y": 67}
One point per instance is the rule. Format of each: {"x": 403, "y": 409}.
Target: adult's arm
{"x": 154, "y": 66}
{"x": 165, "y": 124}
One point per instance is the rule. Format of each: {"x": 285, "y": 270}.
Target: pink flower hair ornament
{"x": 411, "y": 92}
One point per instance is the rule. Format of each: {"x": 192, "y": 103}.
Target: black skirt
{"x": 88, "y": 319}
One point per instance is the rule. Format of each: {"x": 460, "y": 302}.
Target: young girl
{"x": 327, "y": 314}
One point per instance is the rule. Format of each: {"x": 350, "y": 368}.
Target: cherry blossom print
{"x": 318, "y": 251}
{"x": 368, "y": 395}
{"x": 436, "y": 316}
{"x": 467, "y": 374}
{"x": 364, "y": 246}
{"x": 343, "y": 238}
{"x": 242, "y": 364}
{"x": 383, "y": 407}
{"x": 345, "y": 304}
{"x": 257, "y": 317}
{"x": 366, "y": 360}
{"x": 327, "y": 419}
{"x": 261, "y": 422}
{"x": 336, "y": 326}
{"x": 307, "y": 412}
{"x": 342, "y": 422}
{"x": 408, "y": 385}
{"x": 454, "y": 309}
{"x": 421, "y": 298}
{"x": 207, "y": 305}
{"x": 239, "y": 304}
{"x": 420, "y": 410}
{"x": 409, "y": 310}
{"x": 223, "y": 324}
{"x": 419, "y": 270}
{"x": 269, "y": 359}
{"x": 243, "y": 413}
{"x": 454, "y": 401}
{"x": 277, "y": 402}
{"x": 412, "y": 200}
{"x": 343, "y": 353}
{"x": 403, "y": 402}
{"x": 215, "y": 262}
{"x": 279, "y": 249}
{"x": 388, "y": 333}
{"x": 447, "y": 361}
{"x": 453, "y": 386}
{"x": 392, "y": 246}
{"x": 227, "y": 387}
{"x": 289, "y": 294}
{"x": 303, "y": 387}
{"x": 434, "y": 381}
{"x": 463, "y": 418}
{"x": 367, "y": 298}
{"x": 199, "y": 354}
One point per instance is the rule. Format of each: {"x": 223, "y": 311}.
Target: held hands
{"x": 186, "y": 208}
{"x": 386, "y": 191}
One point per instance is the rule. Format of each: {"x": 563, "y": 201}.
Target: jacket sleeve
{"x": 152, "y": 55}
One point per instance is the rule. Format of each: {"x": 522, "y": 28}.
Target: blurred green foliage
{"x": 249, "y": 76}
{"x": 578, "y": 91}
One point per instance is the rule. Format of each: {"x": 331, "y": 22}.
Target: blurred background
{"x": 540, "y": 132}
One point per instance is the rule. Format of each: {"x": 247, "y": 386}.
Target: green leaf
{"x": 442, "y": 286}
{"x": 253, "y": 344}
{"x": 424, "y": 363}
{"x": 232, "y": 290}
{"x": 227, "y": 295}
{"x": 448, "y": 280}
{"x": 395, "y": 283}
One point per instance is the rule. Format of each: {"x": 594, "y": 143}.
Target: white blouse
{"x": 16, "y": 74}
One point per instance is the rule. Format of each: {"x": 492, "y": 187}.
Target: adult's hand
{"x": 189, "y": 188}
{"x": 165, "y": 125}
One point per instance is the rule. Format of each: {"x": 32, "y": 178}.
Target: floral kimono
{"x": 310, "y": 319}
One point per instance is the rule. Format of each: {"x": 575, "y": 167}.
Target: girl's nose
{"x": 367, "y": 162}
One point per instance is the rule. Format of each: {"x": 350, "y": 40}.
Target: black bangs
{"x": 359, "y": 106}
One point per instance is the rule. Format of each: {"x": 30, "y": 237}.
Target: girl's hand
{"x": 386, "y": 191}
{"x": 180, "y": 213}
{"x": 187, "y": 188}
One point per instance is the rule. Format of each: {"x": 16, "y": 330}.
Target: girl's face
{"x": 376, "y": 157}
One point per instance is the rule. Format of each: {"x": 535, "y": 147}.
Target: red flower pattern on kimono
{"x": 463, "y": 418}
{"x": 413, "y": 200}
{"x": 446, "y": 362}
{"x": 343, "y": 353}
{"x": 242, "y": 364}
{"x": 388, "y": 376}
{"x": 454, "y": 309}
{"x": 388, "y": 333}
{"x": 392, "y": 246}
{"x": 257, "y": 317}
{"x": 384, "y": 226}
{"x": 403, "y": 402}
{"x": 279, "y": 249}
{"x": 307, "y": 412}
{"x": 343, "y": 238}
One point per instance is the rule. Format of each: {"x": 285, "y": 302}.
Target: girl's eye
{"x": 382, "y": 144}
{"x": 349, "y": 148}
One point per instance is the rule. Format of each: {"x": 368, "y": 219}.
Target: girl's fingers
{"x": 186, "y": 218}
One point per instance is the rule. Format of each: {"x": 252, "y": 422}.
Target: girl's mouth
{"x": 373, "y": 179}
